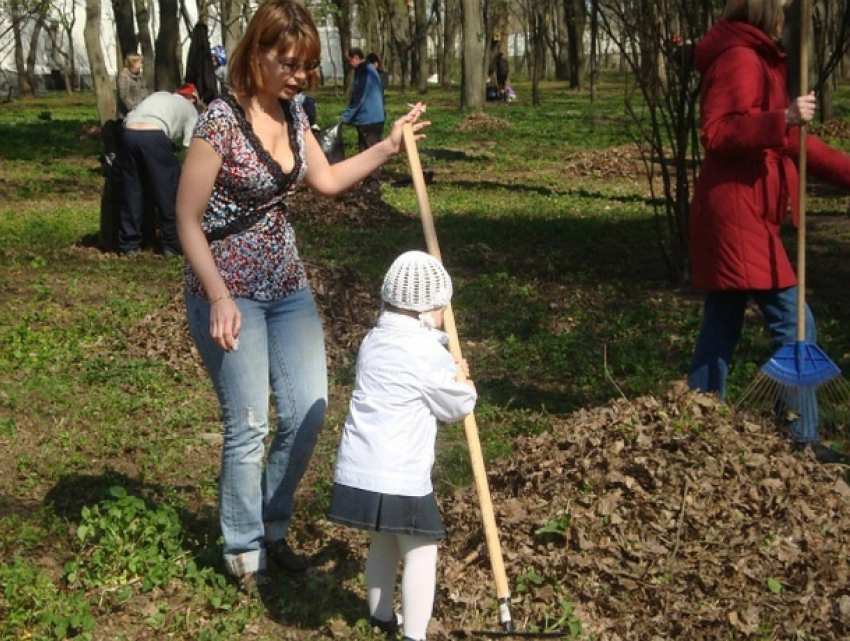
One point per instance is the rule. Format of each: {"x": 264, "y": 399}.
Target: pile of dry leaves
{"x": 659, "y": 518}
{"x": 480, "y": 121}
{"x": 614, "y": 162}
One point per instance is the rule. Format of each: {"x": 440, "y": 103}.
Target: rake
{"x": 491, "y": 534}
{"x": 799, "y": 377}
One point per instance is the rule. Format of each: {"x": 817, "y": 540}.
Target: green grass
{"x": 562, "y": 303}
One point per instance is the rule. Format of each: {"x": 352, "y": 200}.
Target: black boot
{"x": 389, "y": 627}
{"x": 823, "y": 453}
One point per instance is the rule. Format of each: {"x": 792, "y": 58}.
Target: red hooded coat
{"x": 749, "y": 172}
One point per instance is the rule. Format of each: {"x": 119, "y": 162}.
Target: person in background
{"x": 366, "y": 108}
{"x": 749, "y": 128}
{"x": 219, "y": 58}
{"x": 501, "y": 68}
{"x": 132, "y": 88}
{"x": 309, "y": 105}
{"x": 405, "y": 381}
{"x": 385, "y": 77}
{"x": 150, "y": 165}
{"x": 249, "y": 305}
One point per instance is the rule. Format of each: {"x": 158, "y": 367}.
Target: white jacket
{"x": 405, "y": 382}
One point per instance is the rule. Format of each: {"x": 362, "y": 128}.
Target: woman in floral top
{"x": 250, "y": 308}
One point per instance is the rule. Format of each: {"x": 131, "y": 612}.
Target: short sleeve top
{"x": 254, "y": 247}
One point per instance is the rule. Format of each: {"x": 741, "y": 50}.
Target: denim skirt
{"x": 386, "y": 513}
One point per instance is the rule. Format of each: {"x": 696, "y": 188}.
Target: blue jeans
{"x": 722, "y": 321}
{"x": 282, "y": 348}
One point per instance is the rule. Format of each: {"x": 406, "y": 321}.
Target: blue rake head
{"x": 800, "y": 363}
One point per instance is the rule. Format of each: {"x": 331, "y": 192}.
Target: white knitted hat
{"x": 418, "y": 282}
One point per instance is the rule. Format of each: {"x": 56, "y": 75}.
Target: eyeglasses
{"x": 292, "y": 67}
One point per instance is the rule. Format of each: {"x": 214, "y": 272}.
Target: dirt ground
{"x": 649, "y": 518}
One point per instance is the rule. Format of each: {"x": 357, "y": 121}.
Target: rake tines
{"x": 800, "y": 382}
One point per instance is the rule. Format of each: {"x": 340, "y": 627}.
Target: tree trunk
{"x": 342, "y": 17}
{"x": 538, "y": 50}
{"x": 421, "y": 40}
{"x": 167, "y": 63}
{"x": 576, "y": 16}
{"x": 33, "y": 48}
{"x": 821, "y": 22}
{"x": 232, "y": 13}
{"x": 59, "y": 57}
{"x": 449, "y": 33}
{"x": 496, "y": 27}
{"x": 400, "y": 37}
{"x": 103, "y": 87}
{"x": 25, "y": 87}
{"x": 126, "y": 30}
{"x": 145, "y": 41}
{"x": 594, "y": 49}
{"x": 473, "y": 85}
{"x": 562, "y": 43}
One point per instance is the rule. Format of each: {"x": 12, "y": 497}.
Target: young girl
{"x": 405, "y": 383}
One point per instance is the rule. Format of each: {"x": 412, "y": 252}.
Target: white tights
{"x": 418, "y": 581}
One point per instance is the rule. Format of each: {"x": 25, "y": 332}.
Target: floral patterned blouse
{"x": 252, "y": 242}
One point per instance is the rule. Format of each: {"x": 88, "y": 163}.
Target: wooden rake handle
{"x": 805, "y": 26}
{"x": 479, "y": 472}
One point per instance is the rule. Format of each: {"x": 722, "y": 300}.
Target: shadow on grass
{"x": 579, "y": 191}
{"x": 59, "y": 141}
{"x": 572, "y": 310}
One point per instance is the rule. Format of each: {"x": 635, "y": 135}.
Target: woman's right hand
{"x": 801, "y": 111}
{"x": 225, "y": 323}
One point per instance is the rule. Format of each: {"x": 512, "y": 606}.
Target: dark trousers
{"x": 147, "y": 159}
{"x": 368, "y": 136}
{"x": 722, "y": 323}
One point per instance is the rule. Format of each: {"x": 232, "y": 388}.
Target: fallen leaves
{"x": 685, "y": 520}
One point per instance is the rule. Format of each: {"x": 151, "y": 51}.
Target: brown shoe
{"x": 280, "y": 552}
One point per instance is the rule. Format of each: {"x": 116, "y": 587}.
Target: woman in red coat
{"x": 750, "y": 131}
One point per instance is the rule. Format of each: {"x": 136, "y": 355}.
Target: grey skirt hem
{"x": 386, "y": 513}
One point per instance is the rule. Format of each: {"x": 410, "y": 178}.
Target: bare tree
{"x": 594, "y": 49}
{"x": 66, "y": 20}
{"x": 451, "y": 18}
{"x": 142, "y": 8}
{"x": 420, "y": 36}
{"x": 559, "y": 43}
{"x": 342, "y": 16}
{"x": 232, "y": 13}
{"x": 575, "y": 17}
{"x": 124, "y": 27}
{"x": 167, "y": 62}
{"x": 18, "y": 14}
{"x": 103, "y": 87}
{"x": 537, "y": 24}
{"x": 496, "y": 17}
{"x": 400, "y": 37}
{"x": 472, "y": 84}
{"x": 58, "y": 56}
{"x": 39, "y": 14}
{"x": 831, "y": 41}
{"x": 655, "y": 39}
